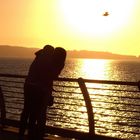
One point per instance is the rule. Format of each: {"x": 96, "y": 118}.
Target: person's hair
{"x": 59, "y": 55}
{"x": 58, "y": 60}
{"x": 46, "y": 47}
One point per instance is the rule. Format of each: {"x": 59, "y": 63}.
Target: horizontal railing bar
{"x": 13, "y": 103}
{"x": 134, "y": 111}
{"x": 62, "y": 91}
{"x": 11, "y": 86}
{"x": 16, "y": 98}
{"x": 76, "y": 80}
{"x": 132, "y": 132}
{"x": 10, "y": 91}
{"x": 52, "y": 114}
{"x": 55, "y": 114}
{"x": 101, "y": 101}
{"x": 69, "y": 98}
{"x": 12, "y": 95}
{"x": 19, "y": 107}
{"x": 10, "y": 81}
{"x": 12, "y": 75}
{"x": 68, "y": 110}
{"x": 71, "y": 104}
{"x": 62, "y": 121}
{"x": 14, "y": 108}
{"x": 113, "y": 109}
{"x": 113, "y": 89}
{"x": 13, "y": 113}
{"x": 126, "y": 124}
{"x": 111, "y": 82}
{"x": 69, "y": 92}
{"x": 112, "y": 96}
{"x": 104, "y": 101}
{"x": 65, "y": 86}
{"x": 118, "y": 124}
{"x": 118, "y": 116}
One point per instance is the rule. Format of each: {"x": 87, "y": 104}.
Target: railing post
{"x": 88, "y": 105}
{"x": 2, "y": 108}
{"x": 139, "y": 85}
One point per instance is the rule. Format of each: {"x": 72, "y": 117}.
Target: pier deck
{"x": 11, "y": 133}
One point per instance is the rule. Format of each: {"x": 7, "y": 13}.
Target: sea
{"x": 95, "y": 69}
{"x": 99, "y": 69}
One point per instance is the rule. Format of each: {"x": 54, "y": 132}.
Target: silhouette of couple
{"x": 38, "y": 86}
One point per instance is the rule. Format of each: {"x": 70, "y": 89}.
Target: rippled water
{"x": 124, "y": 70}
{"x": 118, "y": 70}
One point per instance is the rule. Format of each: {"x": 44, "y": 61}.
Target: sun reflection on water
{"x": 94, "y": 68}
{"x": 106, "y": 103}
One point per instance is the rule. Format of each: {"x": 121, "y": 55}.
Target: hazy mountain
{"x": 13, "y": 51}
{"x": 22, "y": 52}
{"x": 98, "y": 55}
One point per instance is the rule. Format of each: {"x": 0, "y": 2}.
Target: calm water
{"x": 123, "y": 70}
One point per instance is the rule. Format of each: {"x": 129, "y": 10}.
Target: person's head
{"x": 47, "y": 49}
{"x": 59, "y": 55}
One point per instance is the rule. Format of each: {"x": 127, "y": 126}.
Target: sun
{"x": 96, "y": 17}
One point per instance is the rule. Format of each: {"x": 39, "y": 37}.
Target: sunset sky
{"x": 72, "y": 24}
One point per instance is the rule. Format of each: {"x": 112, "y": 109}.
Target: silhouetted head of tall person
{"x": 59, "y": 59}
{"x": 59, "y": 55}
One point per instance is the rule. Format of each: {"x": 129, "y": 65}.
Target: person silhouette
{"x": 32, "y": 86}
{"x": 38, "y": 90}
{"x": 57, "y": 64}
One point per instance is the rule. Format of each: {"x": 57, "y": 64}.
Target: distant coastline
{"x": 23, "y": 52}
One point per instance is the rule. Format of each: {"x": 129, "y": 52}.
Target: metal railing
{"x": 82, "y": 107}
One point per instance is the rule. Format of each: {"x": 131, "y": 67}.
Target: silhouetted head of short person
{"x": 47, "y": 49}
{"x": 59, "y": 60}
{"x": 42, "y": 65}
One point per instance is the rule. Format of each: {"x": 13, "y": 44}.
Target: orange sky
{"x": 72, "y": 24}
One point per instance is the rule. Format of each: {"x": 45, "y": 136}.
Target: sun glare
{"x": 96, "y": 68}
{"x": 96, "y": 17}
